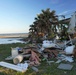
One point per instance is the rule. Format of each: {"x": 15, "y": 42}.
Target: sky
{"x": 17, "y": 15}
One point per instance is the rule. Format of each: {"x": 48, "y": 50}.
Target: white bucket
{"x": 69, "y": 49}
{"x": 18, "y": 59}
{"x": 14, "y": 52}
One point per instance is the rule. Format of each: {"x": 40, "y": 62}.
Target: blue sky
{"x": 17, "y": 15}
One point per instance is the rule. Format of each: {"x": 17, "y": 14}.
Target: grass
{"x": 44, "y": 68}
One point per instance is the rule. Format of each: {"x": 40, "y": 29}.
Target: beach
{"x": 14, "y": 35}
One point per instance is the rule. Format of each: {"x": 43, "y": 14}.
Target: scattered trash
{"x": 9, "y": 58}
{"x": 51, "y": 53}
{"x": 58, "y": 61}
{"x": 18, "y": 59}
{"x": 35, "y": 69}
{"x": 65, "y": 66}
{"x": 69, "y": 49}
{"x": 64, "y": 57}
{"x": 48, "y": 44}
{"x": 74, "y": 53}
{"x": 23, "y": 65}
{"x": 14, "y": 52}
{"x": 34, "y": 59}
{"x": 44, "y": 52}
{"x": 68, "y": 58}
{"x": 42, "y": 48}
{"x": 49, "y": 62}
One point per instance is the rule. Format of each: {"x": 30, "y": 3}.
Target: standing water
{"x": 10, "y": 40}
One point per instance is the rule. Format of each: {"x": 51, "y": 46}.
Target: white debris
{"x": 24, "y": 66}
{"x": 19, "y": 67}
{"x": 58, "y": 61}
{"x": 68, "y": 58}
{"x": 69, "y": 49}
{"x": 64, "y": 57}
{"x": 48, "y": 44}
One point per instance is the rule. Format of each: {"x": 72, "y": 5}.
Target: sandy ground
{"x": 13, "y": 35}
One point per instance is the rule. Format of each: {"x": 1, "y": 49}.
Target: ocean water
{"x": 10, "y": 40}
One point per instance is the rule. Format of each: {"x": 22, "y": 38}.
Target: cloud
{"x": 54, "y": 1}
{"x": 61, "y": 5}
{"x": 64, "y": 12}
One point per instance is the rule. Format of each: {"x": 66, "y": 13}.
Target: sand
{"x": 20, "y": 35}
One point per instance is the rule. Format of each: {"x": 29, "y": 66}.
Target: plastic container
{"x": 14, "y": 52}
{"x": 18, "y": 59}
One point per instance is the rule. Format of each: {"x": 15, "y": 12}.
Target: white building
{"x": 72, "y": 26}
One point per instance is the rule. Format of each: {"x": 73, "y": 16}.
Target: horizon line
{"x": 15, "y": 33}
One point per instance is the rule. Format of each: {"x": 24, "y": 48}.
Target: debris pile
{"x": 33, "y": 54}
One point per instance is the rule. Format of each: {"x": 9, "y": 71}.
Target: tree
{"x": 47, "y": 23}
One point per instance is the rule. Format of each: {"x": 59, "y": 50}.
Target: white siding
{"x": 72, "y": 23}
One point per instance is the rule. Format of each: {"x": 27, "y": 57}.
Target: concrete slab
{"x": 65, "y": 66}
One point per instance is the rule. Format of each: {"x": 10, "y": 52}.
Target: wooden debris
{"x": 52, "y": 52}
{"x": 74, "y": 53}
{"x": 34, "y": 59}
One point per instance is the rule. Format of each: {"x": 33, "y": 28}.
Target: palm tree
{"x": 45, "y": 22}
